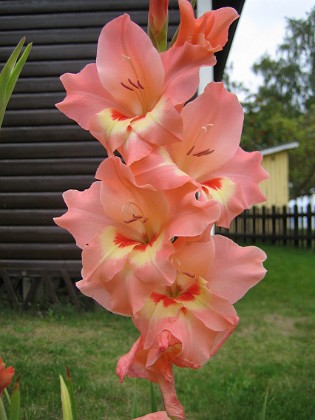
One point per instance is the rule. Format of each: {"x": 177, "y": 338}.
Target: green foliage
{"x": 65, "y": 400}
{"x": 10, "y": 74}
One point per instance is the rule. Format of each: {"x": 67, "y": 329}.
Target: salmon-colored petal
{"x": 208, "y": 143}
{"x": 137, "y": 209}
{"x": 111, "y": 128}
{"x": 159, "y": 415}
{"x": 196, "y": 341}
{"x": 166, "y": 382}
{"x": 237, "y": 182}
{"x": 158, "y": 15}
{"x": 192, "y": 216}
{"x": 235, "y": 269}
{"x": 224, "y": 191}
{"x": 209, "y": 30}
{"x": 129, "y": 66}
{"x": 152, "y": 262}
{"x": 216, "y": 24}
{"x": 85, "y": 96}
{"x": 121, "y": 99}
{"x": 108, "y": 252}
{"x": 182, "y": 65}
{"x": 187, "y": 22}
{"x": 85, "y": 216}
{"x": 135, "y": 137}
{"x": 160, "y": 126}
{"x": 199, "y": 343}
{"x": 215, "y": 312}
{"x": 198, "y": 320}
{"x": 123, "y": 294}
{"x": 212, "y": 130}
{"x": 160, "y": 170}
{"x": 135, "y": 364}
{"x": 195, "y": 256}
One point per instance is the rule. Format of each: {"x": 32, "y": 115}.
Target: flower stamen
{"x": 132, "y": 85}
{"x": 203, "y": 153}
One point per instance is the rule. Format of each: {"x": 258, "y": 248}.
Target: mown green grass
{"x": 272, "y": 348}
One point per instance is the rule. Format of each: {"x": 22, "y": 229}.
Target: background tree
{"x": 282, "y": 110}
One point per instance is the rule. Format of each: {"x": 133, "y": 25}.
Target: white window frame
{"x": 206, "y": 73}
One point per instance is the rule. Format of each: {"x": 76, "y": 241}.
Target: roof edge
{"x": 280, "y": 148}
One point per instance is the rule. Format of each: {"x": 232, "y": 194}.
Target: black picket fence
{"x": 280, "y": 226}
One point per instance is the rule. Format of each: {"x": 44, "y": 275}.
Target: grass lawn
{"x": 273, "y": 347}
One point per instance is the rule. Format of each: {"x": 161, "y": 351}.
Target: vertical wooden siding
{"x": 276, "y": 188}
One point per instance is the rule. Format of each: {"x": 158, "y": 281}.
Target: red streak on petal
{"x": 158, "y": 297}
{"x": 190, "y": 293}
{"x": 116, "y": 115}
{"x": 122, "y": 241}
{"x": 142, "y": 247}
{"x": 215, "y": 183}
{"x": 140, "y": 117}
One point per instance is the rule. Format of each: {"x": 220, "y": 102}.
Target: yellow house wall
{"x": 276, "y": 188}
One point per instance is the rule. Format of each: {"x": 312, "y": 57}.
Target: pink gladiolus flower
{"x": 209, "y": 31}
{"x": 186, "y": 323}
{"x": 158, "y": 14}
{"x": 158, "y": 23}
{"x": 126, "y": 234}
{"x": 197, "y": 309}
{"x": 6, "y": 375}
{"x": 197, "y": 41}
{"x": 126, "y": 100}
{"x": 159, "y": 415}
{"x": 209, "y": 156}
{"x": 138, "y": 363}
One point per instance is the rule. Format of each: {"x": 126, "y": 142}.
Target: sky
{"x": 261, "y": 29}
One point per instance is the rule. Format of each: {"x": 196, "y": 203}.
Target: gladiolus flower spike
{"x": 144, "y": 225}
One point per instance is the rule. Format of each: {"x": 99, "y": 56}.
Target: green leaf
{"x": 134, "y": 411}
{"x": 3, "y": 414}
{"x": 71, "y": 394}
{"x": 15, "y": 401}
{"x": 264, "y": 409}
{"x": 10, "y": 74}
{"x": 7, "y": 69}
{"x": 159, "y": 40}
{"x": 65, "y": 400}
{"x": 153, "y": 399}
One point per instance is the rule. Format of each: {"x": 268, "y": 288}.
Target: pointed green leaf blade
{"x": 17, "y": 71}
{"x": 134, "y": 412}
{"x": 153, "y": 399}
{"x": 65, "y": 400}
{"x": 3, "y": 414}
{"x": 7, "y": 69}
{"x": 15, "y": 401}
{"x": 10, "y": 74}
{"x": 71, "y": 394}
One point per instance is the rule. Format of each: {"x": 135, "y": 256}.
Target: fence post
{"x": 309, "y": 226}
{"x": 253, "y": 217}
{"x": 296, "y": 225}
{"x": 284, "y": 225}
{"x": 244, "y": 225}
{"x": 273, "y": 224}
{"x": 263, "y": 224}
